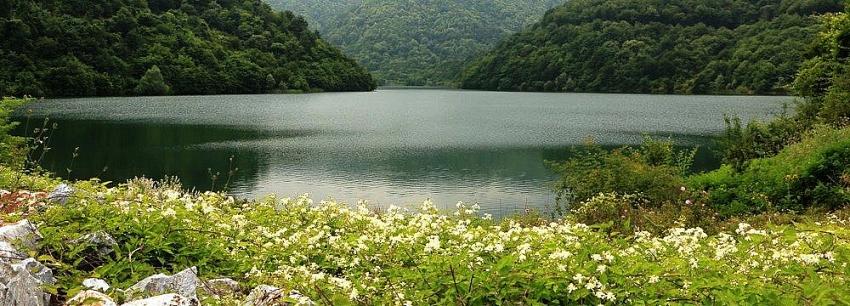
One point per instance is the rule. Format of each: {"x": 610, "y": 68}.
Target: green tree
{"x": 152, "y": 83}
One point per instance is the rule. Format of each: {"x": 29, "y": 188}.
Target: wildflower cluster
{"x": 333, "y": 253}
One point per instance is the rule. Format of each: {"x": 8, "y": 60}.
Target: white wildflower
{"x": 433, "y": 244}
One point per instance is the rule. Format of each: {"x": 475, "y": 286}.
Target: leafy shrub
{"x": 653, "y": 172}
{"x": 740, "y": 144}
{"x": 607, "y": 209}
{"x": 11, "y": 147}
{"x": 625, "y": 214}
{"x": 809, "y": 174}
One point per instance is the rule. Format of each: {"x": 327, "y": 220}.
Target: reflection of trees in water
{"x": 450, "y": 167}
{"x": 120, "y": 151}
{"x": 132, "y": 149}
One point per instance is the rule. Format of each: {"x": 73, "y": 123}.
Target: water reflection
{"x": 390, "y": 147}
{"x": 120, "y": 151}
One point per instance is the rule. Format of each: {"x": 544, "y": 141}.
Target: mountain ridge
{"x": 118, "y": 47}
{"x": 424, "y": 43}
{"x": 654, "y": 46}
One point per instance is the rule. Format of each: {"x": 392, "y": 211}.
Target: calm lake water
{"x": 388, "y": 147}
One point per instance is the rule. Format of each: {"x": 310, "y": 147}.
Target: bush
{"x": 625, "y": 214}
{"x": 810, "y": 174}
{"x": 652, "y": 172}
{"x": 739, "y": 144}
{"x": 11, "y": 147}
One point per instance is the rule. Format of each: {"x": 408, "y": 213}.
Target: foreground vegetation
{"x": 338, "y": 254}
{"x": 122, "y": 47}
{"x": 653, "y": 46}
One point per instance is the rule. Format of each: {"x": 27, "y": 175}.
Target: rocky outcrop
{"x": 61, "y": 194}
{"x": 23, "y": 289}
{"x": 170, "y": 299}
{"x": 22, "y": 279}
{"x": 90, "y": 298}
{"x": 36, "y": 270}
{"x": 184, "y": 283}
{"x": 8, "y": 252}
{"x": 23, "y": 233}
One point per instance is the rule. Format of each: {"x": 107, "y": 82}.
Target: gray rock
{"x": 61, "y": 193}
{"x": 264, "y": 295}
{"x": 184, "y": 283}
{"x": 95, "y": 284}
{"x": 6, "y": 272}
{"x": 8, "y": 253}
{"x": 35, "y": 269}
{"x": 22, "y": 232}
{"x": 164, "y": 300}
{"x": 222, "y": 287}
{"x": 90, "y": 298}
{"x": 4, "y": 292}
{"x": 24, "y": 289}
{"x": 100, "y": 240}
{"x": 21, "y": 281}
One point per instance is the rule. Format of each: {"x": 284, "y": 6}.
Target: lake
{"x": 388, "y": 146}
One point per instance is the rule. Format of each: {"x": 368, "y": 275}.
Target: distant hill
{"x": 318, "y": 13}
{"x": 125, "y": 47}
{"x": 417, "y": 42}
{"x": 656, "y": 46}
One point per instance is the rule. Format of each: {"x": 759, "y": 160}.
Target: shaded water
{"x": 388, "y": 146}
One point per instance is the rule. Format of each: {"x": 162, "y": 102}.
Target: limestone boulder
{"x": 22, "y": 232}
{"x": 95, "y": 284}
{"x": 170, "y": 299}
{"x": 184, "y": 283}
{"x": 61, "y": 194}
{"x": 90, "y": 298}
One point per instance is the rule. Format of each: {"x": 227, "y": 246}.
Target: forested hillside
{"x": 126, "y": 47}
{"x": 656, "y": 46}
{"x": 418, "y": 42}
{"x": 318, "y": 13}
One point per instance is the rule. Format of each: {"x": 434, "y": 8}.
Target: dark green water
{"x": 388, "y": 147}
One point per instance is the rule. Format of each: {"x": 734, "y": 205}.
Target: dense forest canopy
{"x": 123, "y": 47}
{"x": 319, "y": 13}
{"x": 417, "y": 42}
{"x": 656, "y": 46}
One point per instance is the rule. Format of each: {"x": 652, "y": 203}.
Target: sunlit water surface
{"x": 388, "y": 147}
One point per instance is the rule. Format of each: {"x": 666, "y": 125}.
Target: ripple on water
{"x": 389, "y": 146}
